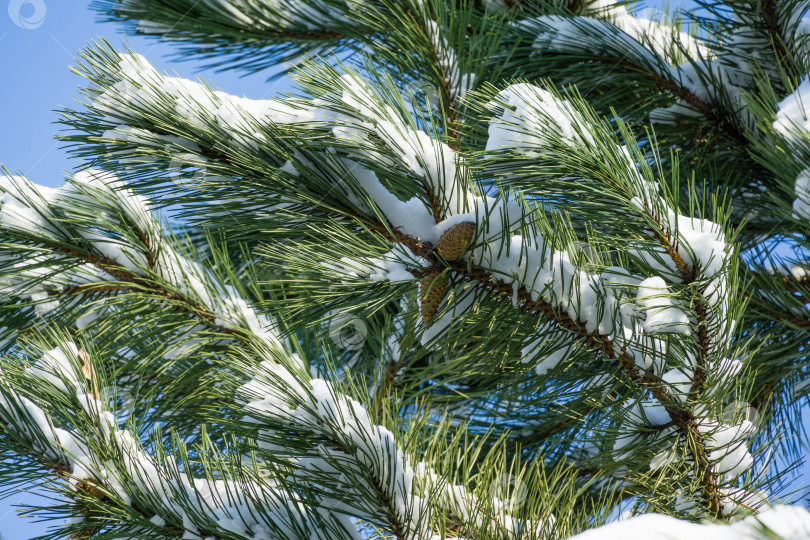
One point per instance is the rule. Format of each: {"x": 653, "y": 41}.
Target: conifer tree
{"x": 500, "y": 269}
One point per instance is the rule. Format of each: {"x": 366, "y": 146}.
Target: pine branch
{"x": 681, "y": 414}
{"x": 358, "y": 197}
{"x": 784, "y": 59}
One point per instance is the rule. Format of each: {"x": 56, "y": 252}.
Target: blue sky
{"x": 37, "y": 80}
{"x": 34, "y": 63}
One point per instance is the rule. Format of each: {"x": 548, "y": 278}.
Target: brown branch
{"x": 791, "y": 319}
{"x": 688, "y": 274}
{"x": 683, "y": 93}
{"x": 396, "y": 526}
{"x": 391, "y": 516}
{"x": 704, "y": 343}
{"x": 783, "y": 57}
{"x": 449, "y": 116}
{"x": 85, "y": 486}
{"x": 682, "y": 416}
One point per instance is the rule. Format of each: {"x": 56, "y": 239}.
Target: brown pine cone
{"x": 431, "y": 292}
{"x": 455, "y": 240}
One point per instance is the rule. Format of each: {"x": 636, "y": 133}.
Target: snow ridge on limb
{"x": 135, "y": 87}
{"x": 369, "y": 135}
{"x": 286, "y": 399}
{"x": 616, "y": 30}
{"x": 691, "y": 254}
{"x": 93, "y": 235}
{"x": 152, "y": 491}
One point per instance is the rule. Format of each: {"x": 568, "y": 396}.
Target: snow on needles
{"x": 141, "y": 87}
{"x": 315, "y": 406}
{"x": 793, "y": 115}
{"x": 102, "y": 207}
{"x": 657, "y": 44}
{"x": 662, "y": 314}
{"x": 631, "y": 311}
{"x": 365, "y": 121}
{"x": 458, "y": 83}
{"x": 393, "y": 266}
{"x": 786, "y": 522}
{"x": 659, "y": 48}
{"x": 293, "y": 15}
{"x": 355, "y": 114}
{"x": 254, "y": 509}
{"x": 530, "y": 118}
{"x": 708, "y": 83}
{"x": 801, "y": 204}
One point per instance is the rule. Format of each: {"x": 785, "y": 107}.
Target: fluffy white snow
{"x": 357, "y": 116}
{"x": 726, "y": 445}
{"x": 530, "y": 119}
{"x": 662, "y": 314}
{"x": 364, "y": 116}
{"x": 801, "y": 204}
{"x": 459, "y": 501}
{"x": 393, "y": 266}
{"x": 458, "y": 83}
{"x": 646, "y": 28}
{"x": 142, "y": 88}
{"x": 793, "y": 118}
{"x": 629, "y": 310}
{"x": 786, "y": 522}
{"x": 613, "y": 30}
{"x": 362, "y": 121}
{"x": 710, "y": 81}
{"x": 547, "y": 362}
{"x": 315, "y": 406}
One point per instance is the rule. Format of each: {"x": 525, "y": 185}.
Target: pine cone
{"x": 431, "y": 292}
{"x": 455, "y": 240}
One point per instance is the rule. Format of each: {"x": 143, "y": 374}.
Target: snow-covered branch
{"x": 92, "y": 238}
{"x": 97, "y": 457}
{"x": 350, "y": 447}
